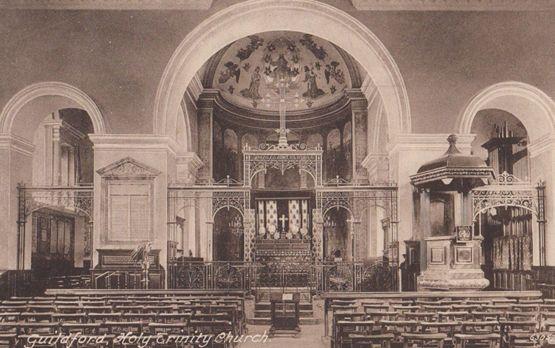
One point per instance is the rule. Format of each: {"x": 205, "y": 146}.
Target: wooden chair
{"x": 378, "y": 316}
{"x": 480, "y": 327}
{"x": 94, "y": 317}
{"x": 422, "y": 340}
{"x": 363, "y": 341}
{"x": 9, "y": 316}
{"x": 489, "y": 340}
{"x": 487, "y": 316}
{"x": 526, "y": 316}
{"x": 97, "y": 309}
{"x": 68, "y": 309}
{"x": 453, "y": 316}
{"x": 398, "y": 327}
{"x": 347, "y": 328}
{"x": 449, "y": 328}
{"x": 343, "y": 316}
{"x": 69, "y": 317}
{"x": 437, "y": 308}
{"x": 368, "y": 307}
{"x": 8, "y": 334}
{"x": 36, "y": 316}
{"x": 420, "y": 316}
{"x": 518, "y": 333}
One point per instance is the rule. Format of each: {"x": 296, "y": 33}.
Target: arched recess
{"x": 27, "y": 108}
{"x": 308, "y": 16}
{"x": 534, "y": 108}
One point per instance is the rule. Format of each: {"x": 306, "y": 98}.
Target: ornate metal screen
{"x": 77, "y": 200}
{"x": 280, "y": 158}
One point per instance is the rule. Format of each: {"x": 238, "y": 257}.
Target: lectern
{"x": 285, "y": 313}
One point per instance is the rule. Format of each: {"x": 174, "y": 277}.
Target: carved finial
{"x": 452, "y": 139}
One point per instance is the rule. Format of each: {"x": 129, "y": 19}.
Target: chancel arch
{"x": 324, "y": 21}
{"x": 288, "y": 108}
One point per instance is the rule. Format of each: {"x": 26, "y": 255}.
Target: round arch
{"x": 308, "y": 16}
{"x": 534, "y": 108}
{"x": 70, "y": 97}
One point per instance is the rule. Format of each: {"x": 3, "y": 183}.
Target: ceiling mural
{"x": 291, "y": 70}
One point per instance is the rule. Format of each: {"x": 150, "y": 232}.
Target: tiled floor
{"x": 311, "y": 336}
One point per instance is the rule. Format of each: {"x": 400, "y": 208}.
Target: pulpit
{"x": 450, "y": 253}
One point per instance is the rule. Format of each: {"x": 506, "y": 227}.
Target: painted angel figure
{"x": 312, "y": 90}
{"x": 252, "y": 92}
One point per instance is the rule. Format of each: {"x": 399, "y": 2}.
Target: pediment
{"x": 128, "y": 168}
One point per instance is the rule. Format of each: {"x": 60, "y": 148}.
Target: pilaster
{"x": 359, "y": 109}
{"x": 187, "y": 166}
{"x": 542, "y": 164}
{"x": 16, "y": 155}
{"x": 205, "y": 142}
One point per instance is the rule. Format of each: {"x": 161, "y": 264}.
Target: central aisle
{"x": 311, "y": 336}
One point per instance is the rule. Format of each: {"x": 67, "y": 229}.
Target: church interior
{"x": 344, "y": 173}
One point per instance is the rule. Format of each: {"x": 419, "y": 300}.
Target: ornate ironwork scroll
{"x": 249, "y": 224}
{"x": 282, "y": 159}
{"x": 317, "y": 235}
{"x": 239, "y": 200}
{"x": 506, "y": 191}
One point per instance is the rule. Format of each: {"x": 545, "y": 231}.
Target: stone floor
{"x": 311, "y": 336}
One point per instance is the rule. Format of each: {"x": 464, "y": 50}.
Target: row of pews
{"x": 124, "y": 318}
{"x": 440, "y": 319}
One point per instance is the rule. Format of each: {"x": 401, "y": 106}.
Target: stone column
{"x": 205, "y": 141}
{"x": 359, "y": 134}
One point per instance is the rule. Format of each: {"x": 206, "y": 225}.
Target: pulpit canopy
{"x": 454, "y": 171}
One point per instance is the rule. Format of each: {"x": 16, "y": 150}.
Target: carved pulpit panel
{"x": 127, "y": 202}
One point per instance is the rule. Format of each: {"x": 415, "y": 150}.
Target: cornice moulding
{"x": 454, "y": 5}
{"x": 432, "y": 142}
{"x": 542, "y": 145}
{"x": 134, "y": 142}
{"x": 106, "y": 4}
{"x": 16, "y": 143}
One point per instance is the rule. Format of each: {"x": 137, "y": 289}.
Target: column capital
{"x": 358, "y": 100}
{"x": 207, "y": 98}
{"x": 187, "y": 166}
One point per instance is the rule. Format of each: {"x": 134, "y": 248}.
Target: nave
{"x": 179, "y": 318}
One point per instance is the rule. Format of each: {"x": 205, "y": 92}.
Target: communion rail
{"x": 376, "y": 275}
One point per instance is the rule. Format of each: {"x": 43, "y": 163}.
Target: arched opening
{"x": 507, "y": 121}
{"x": 228, "y": 235}
{"x": 54, "y": 214}
{"x": 61, "y": 230}
{"x": 338, "y": 234}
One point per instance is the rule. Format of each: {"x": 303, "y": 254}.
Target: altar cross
{"x": 283, "y": 219}
{"x": 282, "y": 83}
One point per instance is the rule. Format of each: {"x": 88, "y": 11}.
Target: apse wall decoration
{"x": 316, "y": 72}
